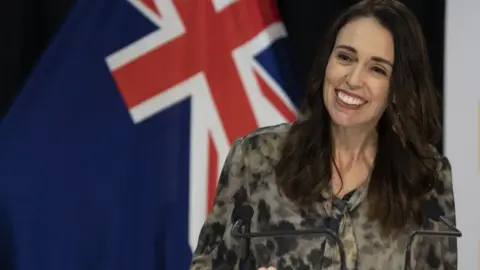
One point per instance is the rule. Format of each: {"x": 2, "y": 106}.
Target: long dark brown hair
{"x": 405, "y": 163}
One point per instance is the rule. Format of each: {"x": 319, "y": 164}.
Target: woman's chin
{"x": 344, "y": 122}
{"x": 348, "y": 123}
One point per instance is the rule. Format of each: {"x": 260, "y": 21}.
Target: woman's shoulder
{"x": 273, "y": 132}
{"x": 444, "y": 169}
{"x": 444, "y": 185}
{"x": 263, "y": 146}
{"x": 442, "y": 191}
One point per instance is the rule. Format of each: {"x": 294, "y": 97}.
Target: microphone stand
{"x": 408, "y": 249}
{"x": 329, "y": 232}
{"x": 244, "y": 243}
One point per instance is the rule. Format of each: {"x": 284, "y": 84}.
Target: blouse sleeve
{"x": 216, "y": 249}
{"x": 447, "y": 202}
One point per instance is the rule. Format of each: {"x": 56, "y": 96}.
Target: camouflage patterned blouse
{"x": 248, "y": 178}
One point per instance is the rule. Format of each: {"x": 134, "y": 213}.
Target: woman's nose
{"x": 354, "y": 78}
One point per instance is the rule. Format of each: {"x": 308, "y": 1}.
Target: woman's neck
{"x": 354, "y": 144}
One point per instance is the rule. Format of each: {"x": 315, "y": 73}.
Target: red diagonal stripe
{"x": 157, "y": 71}
{"x": 275, "y": 99}
{"x": 150, "y": 4}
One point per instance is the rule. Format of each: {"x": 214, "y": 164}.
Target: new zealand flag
{"x": 111, "y": 153}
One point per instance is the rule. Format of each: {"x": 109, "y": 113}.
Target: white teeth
{"x": 349, "y": 99}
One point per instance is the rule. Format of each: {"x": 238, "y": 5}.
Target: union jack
{"x": 206, "y": 51}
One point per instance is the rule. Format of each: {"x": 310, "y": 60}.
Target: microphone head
{"x": 431, "y": 209}
{"x": 242, "y": 212}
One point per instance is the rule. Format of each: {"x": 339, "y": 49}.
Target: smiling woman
{"x": 358, "y": 74}
{"x": 359, "y": 160}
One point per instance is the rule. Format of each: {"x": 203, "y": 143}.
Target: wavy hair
{"x": 404, "y": 168}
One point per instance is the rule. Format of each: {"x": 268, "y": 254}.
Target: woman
{"x": 359, "y": 161}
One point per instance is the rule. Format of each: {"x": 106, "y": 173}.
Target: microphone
{"x": 241, "y": 219}
{"x": 434, "y": 212}
{"x": 244, "y": 215}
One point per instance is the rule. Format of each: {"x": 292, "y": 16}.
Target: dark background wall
{"x": 27, "y": 26}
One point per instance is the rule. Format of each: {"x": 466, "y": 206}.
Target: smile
{"x": 349, "y": 99}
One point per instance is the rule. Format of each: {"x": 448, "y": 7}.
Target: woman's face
{"x": 358, "y": 74}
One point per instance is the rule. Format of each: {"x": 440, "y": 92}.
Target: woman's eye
{"x": 380, "y": 71}
{"x": 344, "y": 57}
